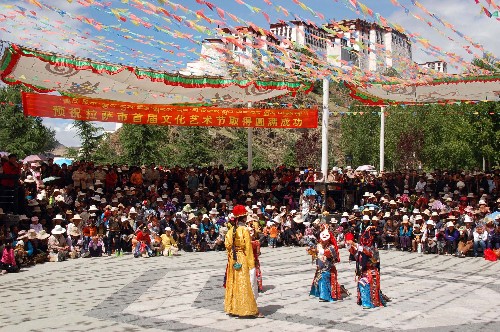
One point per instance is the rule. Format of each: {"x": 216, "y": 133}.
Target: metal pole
{"x": 324, "y": 129}
{"x": 382, "y": 138}
{"x": 250, "y": 145}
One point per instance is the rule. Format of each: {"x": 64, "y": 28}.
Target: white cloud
{"x": 69, "y": 127}
{"x": 43, "y": 28}
{"x": 66, "y": 133}
{"x": 465, "y": 17}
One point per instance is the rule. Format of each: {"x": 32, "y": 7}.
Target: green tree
{"x": 144, "y": 144}
{"x": 193, "y": 147}
{"x": 106, "y": 152}
{"x": 90, "y": 135}
{"x": 23, "y": 135}
{"x": 360, "y": 135}
{"x": 488, "y": 62}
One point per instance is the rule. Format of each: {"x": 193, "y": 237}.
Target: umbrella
{"x": 376, "y": 207}
{"x": 437, "y": 205}
{"x": 60, "y": 161}
{"x": 50, "y": 179}
{"x": 310, "y": 192}
{"x": 365, "y": 168}
{"x": 493, "y": 215}
{"x": 33, "y": 158}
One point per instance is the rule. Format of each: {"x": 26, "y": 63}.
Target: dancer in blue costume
{"x": 325, "y": 284}
{"x": 367, "y": 271}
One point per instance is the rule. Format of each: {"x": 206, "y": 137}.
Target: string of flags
{"x": 143, "y": 33}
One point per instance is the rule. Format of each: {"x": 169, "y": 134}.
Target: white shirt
{"x": 478, "y": 237}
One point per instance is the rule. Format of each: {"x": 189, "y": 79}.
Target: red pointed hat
{"x": 239, "y": 210}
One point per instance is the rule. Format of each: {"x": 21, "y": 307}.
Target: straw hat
{"x": 22, "y": 234}
{"x": 298, "y": 219}
{"x": 75, "y": 232}
{"x": 29, "y": 179}
{"x": 194, "y": 226}
{"x": 42, "y": 235}
{"x": 58, "y": 230}
{"x": 31, "y": 234}
{"x": 58, "y": 217}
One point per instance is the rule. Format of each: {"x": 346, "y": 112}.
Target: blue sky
{"x": 58, "y": 32}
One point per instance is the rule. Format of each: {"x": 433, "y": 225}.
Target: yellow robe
{"x": 239, "y": 299}
{"x": 168, "y": 241}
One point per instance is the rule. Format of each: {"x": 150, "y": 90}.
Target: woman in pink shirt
{"x": 8, "y": 262}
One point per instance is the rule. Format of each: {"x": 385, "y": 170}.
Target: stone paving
{"x": 429, "y": 293}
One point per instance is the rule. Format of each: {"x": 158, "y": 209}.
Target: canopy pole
{"x": 324, "y": 129}
{"x": 250, "y": 144}
{"x": 382, "y": 137}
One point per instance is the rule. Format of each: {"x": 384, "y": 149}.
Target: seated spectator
{"x": 416, "y": 242}
{"x": 30, "y": 246}
{"x": 495, "y": 238}
{"x": 169, "y": 244}
{"x": 95, "y": 246}
{"x": 389, "y": 235}
{"x": 193, "y": 239}
{"x": 19, "y": 250}
{"x": 405, "y": 234}
{"x": 58, "y": 247}
{"x": 8, "y": 262}
{"x": 339, "y": 234}
{"x": 466, "y": 239}
{"x": 429, "y": 238}
{"x": 451, "y": 236}
{"x": 75, "y": 243}
{"x": 127, "y": 234}
{"x": 143, "y": 246}
{"x": 42, "y": 247}
{"x": 480, "y": 238}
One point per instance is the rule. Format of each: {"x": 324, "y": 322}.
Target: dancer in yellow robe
{"x": 239, "y": 299}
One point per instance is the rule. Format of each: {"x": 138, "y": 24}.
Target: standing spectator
{"x": 111, "y": 180}
{"x": 136, "y": 178}
{"x": 273, "y": 235}
{"x": 80, "y": 178}
{"x": 10, "y": 167}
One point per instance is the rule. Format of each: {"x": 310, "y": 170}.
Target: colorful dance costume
{"x": 367, "y": 271}
{"x": 325, "y": 284}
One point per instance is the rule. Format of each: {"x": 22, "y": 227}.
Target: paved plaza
{"x": 429, "y": 293}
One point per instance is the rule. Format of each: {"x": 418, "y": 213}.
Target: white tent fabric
{"x": 49, "y": 72}
{"x": 460, "y": 89}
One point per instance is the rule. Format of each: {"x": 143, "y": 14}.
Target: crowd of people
{"x": 88, "y": 210}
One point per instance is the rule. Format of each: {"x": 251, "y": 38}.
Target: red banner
{"x": 88, "y": 109}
